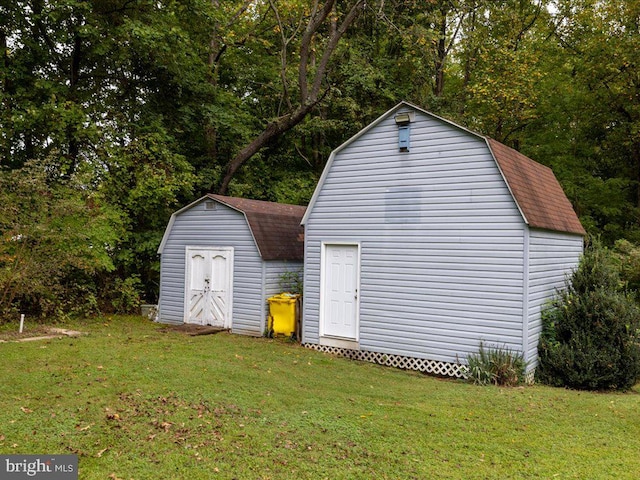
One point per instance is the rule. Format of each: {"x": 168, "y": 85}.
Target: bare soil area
{"x": 40, "y": 332}
{"x": 193, "y": 330}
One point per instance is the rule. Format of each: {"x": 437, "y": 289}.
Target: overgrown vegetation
{"x": 137, "y": 400}
{"x": 591, "y": 331}
{"x": 496, "y": 366}
{"x": 291, "y": 281}
{"x": 56, "y": 238}
{"x": 627, "y": 256}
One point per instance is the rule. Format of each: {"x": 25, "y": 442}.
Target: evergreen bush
{"x": 591, "y": 330}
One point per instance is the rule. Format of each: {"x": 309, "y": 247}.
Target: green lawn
{"x": 135, "y": 402}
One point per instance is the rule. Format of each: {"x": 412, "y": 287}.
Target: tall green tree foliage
{"x": 154, "y": 103}
{"x": 313, "y": 32}
{"x": 589, "y": 111}
{"x": 500, "y": 66}
{"x": 107, "y": 87}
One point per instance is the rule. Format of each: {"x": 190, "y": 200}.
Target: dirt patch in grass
{"x": 193, "y": 330}
{"x": 33, "y": 333}
{"x": 36, "y": 331}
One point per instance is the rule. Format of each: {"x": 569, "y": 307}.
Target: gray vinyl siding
{"x": 441, "y": 242}
{"x": 273, "y": 275}
{"x": 552, "y": 258}
{"x": 222, "y": 227}
{"x": 272, "y": 279}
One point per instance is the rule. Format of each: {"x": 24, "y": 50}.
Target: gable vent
{"x": 403, "y": 120}
{"x": 209, "y": 205}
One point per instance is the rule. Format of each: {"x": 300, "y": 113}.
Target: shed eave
{"x": 255, "y": 242}
{"x": 172, "y": 220}
{"x": 504, "y": 179}
{"x": 192, "y": 204}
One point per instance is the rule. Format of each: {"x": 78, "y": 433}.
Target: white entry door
{"x": 208, "y": 286}
{"x": 339, "y": 292}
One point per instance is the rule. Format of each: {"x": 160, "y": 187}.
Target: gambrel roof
{"x": 275, "y": 227}
{"x": 536, "y": 191}
{"x": 534, "y": 188}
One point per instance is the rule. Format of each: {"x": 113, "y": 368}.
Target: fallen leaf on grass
{"x": 112, "y": 415}
{"x": 100, "y": 453}
{"x": 82, "y": 429}
{"x": 26, "y": 410}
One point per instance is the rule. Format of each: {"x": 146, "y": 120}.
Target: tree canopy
{"x": 141, "y": 106}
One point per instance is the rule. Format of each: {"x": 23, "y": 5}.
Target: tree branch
{"x": 331, "y": 46}
{"x": 317, "y": 18}
{"x": 310, "y": 95}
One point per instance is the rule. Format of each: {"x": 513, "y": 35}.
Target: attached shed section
{"x": 424, "y": 239}
{"x": 222, "y": 257}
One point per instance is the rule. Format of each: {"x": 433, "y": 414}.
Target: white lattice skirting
{"x": 406, "y": 363}
{"x": 530, "y": 377}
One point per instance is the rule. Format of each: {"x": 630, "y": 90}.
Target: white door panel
{"x": 340, "y": 291}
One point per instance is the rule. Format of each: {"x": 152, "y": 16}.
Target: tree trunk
{"x": 441, "y": 54}
{"x": 275, "y": 128}
{"x": 4, "y": 89}
{"x": 72, "y": 129}
{"x": 310, "y": 86}
{"x": 210, "y": 132}
{"x": 473, "y": 52}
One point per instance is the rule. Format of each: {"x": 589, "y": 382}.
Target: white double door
{"x": 208, "y": 286}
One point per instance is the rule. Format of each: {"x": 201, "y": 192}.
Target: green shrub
{"x": 589, "y": 336}
{"x": 291, "y": 281}
{"x": 498, "y": 366}
{"x": 126, "y": 294}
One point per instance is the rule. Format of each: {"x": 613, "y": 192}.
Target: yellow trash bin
{"x": 282, "y": 313}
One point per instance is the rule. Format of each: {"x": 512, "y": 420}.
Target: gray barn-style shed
{"x": 222, "y": 257}
{"x": 423, "y": 239}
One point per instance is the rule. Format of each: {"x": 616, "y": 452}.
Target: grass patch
{"x": 137, "y": 402}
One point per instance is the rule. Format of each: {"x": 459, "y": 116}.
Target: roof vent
{"x": 403, "y": 120}
{"x": 209, "y": 205}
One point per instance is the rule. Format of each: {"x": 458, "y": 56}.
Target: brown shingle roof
{"x": 536, "y": 191}
{"x": 275, "y": 226}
